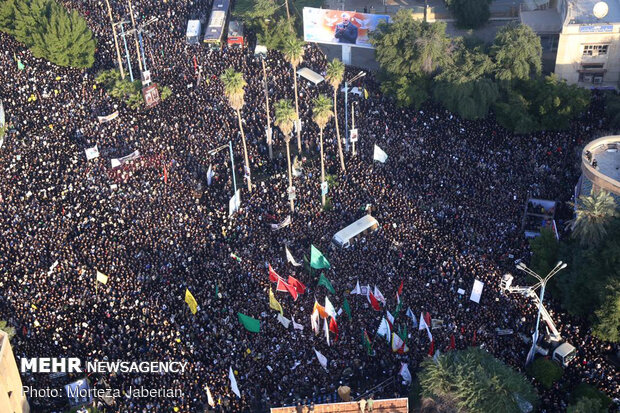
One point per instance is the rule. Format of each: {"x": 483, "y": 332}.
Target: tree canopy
{"x": 517, "y": 52}
{"x": 49, "y": 31}
{"x": 476, "y": 381}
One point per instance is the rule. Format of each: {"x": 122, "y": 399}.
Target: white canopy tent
{"x": 310, "y": 75}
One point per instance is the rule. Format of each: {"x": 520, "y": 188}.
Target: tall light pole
{"x": 542, "y": 282}
{"x": 353, "y": 125}
{"x": 122, "y": 34}
{"x": 346, "y": 107}
{"x": 268, "y": 130}
{"x": 133, "y": 24}
{"x": 118, "y": 50}
{"x": 232, "y": 161}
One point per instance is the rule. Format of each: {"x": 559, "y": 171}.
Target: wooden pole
{"x": 133, "y": 24}
{"x": 118, "y": 50}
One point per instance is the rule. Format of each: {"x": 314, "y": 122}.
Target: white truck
{"x": 192, "y": 34}
{"x": 562, "y": 352}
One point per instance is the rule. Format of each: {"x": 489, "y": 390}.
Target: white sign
{"x": 297, "y": 124}
{"x": 476, "y": 291}
{"x": 353, "y": 135}
{"x": 234, "y": 203}
{"x": 324, "y": 188}
{"x": 269, "y": 135}
{"x": 91, "y": 153}
{"x": 291, "y": 193}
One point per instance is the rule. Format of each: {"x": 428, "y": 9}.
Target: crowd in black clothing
{"x": 449, "y": 200}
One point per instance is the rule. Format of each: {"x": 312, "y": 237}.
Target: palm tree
{"x": 285, "y": 116}
{"x": 432, "y": 46}
{"x": 233, "y": 89}
{"x": 10, "y": 331}
{"x": 335, "y": 74}
{"x": 593, "y": 216}
{"x": 321, "y": 114}
{"x": 294, "y": 53}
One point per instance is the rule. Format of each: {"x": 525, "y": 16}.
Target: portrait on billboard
{"x": 340, "y": 27}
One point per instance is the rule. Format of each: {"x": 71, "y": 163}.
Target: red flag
{"x": 291, "y": 290}
{"x": 427, "y": 318}
{"x": 195, "y": 64}
{"x": 333, "y": 327}
{"x": 431, "y": 351}
{"x": 452, "y": 343}
{"x": 298, "y": 285}
{"x": 273, "y": 276}
{"x": 400, "y": 289}
{"x": 282, "y": 286}
{"x": 474, "y": 341}
{"x": 165, "y": 174}
{"x": 373, "y": 301}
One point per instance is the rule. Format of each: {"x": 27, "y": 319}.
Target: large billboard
{"x": 340, "y": 27}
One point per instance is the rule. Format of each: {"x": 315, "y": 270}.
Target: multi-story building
{"x": 12, "y": 399}
{"x": 580, "y": 39}
{"x": 600, "y": 167}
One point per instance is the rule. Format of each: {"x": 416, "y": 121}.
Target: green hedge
{"x": 585, "y": 390}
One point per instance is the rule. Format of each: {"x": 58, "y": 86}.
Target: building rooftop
{"x": 580, "y": 12}
{"x": 606, "y": 153}
{"x": 542, "y": 21}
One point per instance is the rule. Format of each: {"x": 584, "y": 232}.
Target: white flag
{"x": 296, "y": 326}
{"x": 379, "y": 155}
{"x": 326, "y": 331}
{"x": 329, "y": 308}
{"x": 423, "y": 325}
{"x": 322, "y": 358}
{"x": 412, "y": 317}
{"x": 54, "y": 265}
{"x": 210, "y": 175}
{"x": 404, "y": 371}
{"x": 314, "y": 321}
{"x": 233, "y": 382}
{"x": 379, "y": 296}
{"x": 290, "y": 258}
{"x": 476, "y": 291}
{"x": 284, "y": 321}
{"x": 357, "y": 289}
{"x": 384, "y": 330}
{"x": 92, "y": 153}
{"x": 209, "y": 397}
{"x": 390, "y": 317}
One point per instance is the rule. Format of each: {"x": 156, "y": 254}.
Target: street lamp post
{"x": 122, "y": 34}
{"x": 543, "y": 284}
{"x": 346, "y": 107}
{"x": 269, "y": 131}
{"x": 232, "y": 161}
{"x": 118, "y": 50}
{"x": 353, "y": 125}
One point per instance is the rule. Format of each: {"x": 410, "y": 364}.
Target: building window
{"x": 591, "y": 77}
{"x": 595, "y": 49}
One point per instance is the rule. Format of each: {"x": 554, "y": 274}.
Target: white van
{"x": 346, "y": 236}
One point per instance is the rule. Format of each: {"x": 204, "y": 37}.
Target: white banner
{"x": 286, "y": 222}
{"x": 107, "y": 118}
{"x": 476, "y": 291}
{"x": 234, "y": 203}
{"x": 92, "y": 153}
{"x": 116, "y": 162}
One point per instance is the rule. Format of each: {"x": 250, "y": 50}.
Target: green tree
{"x": 607, "y": 320}
{"x": 10, "y": 331}
{"x": 587, "y": 391}
{"x": 545, "y": 371}
{"x": 546, "y": 249}
{"x": 612, "y": 110}
{"x": 321, "y": 114}
{"x": 516, "y": 52}
{"x": 285, "y": 117}
{"x": 476, "y": 381}
{"x": 409, "y": 51}
{"x": 234, "y": 84}
{"x": 465, "y": 86}
{"x": 49, "y": 31}
{"x": 294, "y": 53}
{"x": 334, "y": 75}
{"x": 586, "y": 405}
{"x": 470, "y": 14}
{"x": 593, "y": 216}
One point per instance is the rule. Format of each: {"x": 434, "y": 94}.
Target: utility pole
{"x": 133, "y": 24}
{"x": 268, "y": 130}
{"x": 353, "y": 125}
{"x": 118, "y": 50}
{"x": 122, "y": 34}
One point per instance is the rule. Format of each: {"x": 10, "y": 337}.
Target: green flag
{"x": 398, "y": 307}
{"x": 317, "y": 260}
{"x": 366, "y": 342}
{"x": 346, "y": 308}
{"x": 402, "y": 333}
{"x": 250, "y": 324}
{"x": 325, "y": 282}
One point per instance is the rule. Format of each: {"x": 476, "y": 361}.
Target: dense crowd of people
{"x": 449, "y": 199}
